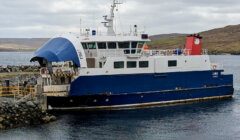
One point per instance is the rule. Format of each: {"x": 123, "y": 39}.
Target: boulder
{"x": 53, "y": 118}
{"x": 30, "y": 104}
{"x": 1, "y": 127}
{"x": 1, "y": 119}
{"x": 46, "y": 119}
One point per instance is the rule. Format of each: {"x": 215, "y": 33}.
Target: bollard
{"x": 7, "y": 82}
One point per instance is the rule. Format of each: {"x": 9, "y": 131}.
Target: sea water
{"x": 213, "y": 120}
{"x": 16, "y": 58}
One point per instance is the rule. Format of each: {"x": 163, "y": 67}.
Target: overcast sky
{"x": 46, "y": 18}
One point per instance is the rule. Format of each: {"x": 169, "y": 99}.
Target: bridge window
{"x": 134, "y": 44}
{"x": 91, "y": 45}
{"x": 140, "y": 44}
{"x": 172, "y": 63}
{"x": 112, "y": 45}
{"x": 126, "y": 51}
{"x": 143, "y": 64}
{"x": 84, "y": 45}
{"x": 123, "y": 45}
{"x": 102, "y": 45}
{"x": 119, "y": 65}
{"x": 131, "y": 64}
{"x": 100, "y": 64}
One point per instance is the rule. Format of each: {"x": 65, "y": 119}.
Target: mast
{"x": 108, "y": 23}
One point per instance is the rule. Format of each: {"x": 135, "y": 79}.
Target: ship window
{"x": 91, "y": 45}
{"x": 112, "y": 45}
{"x": 123, "y": 45}
{"x": 102, "y": 45}
{"x": 84, "y": 45}
{"x": 131, "y": 64}
{"x": 119, "y": 65}
{"x": 140, "y": 44}
{"x": 172, "y": 63}
{"x": 133, "y": 51}
{"x": 127, "y": 51}
{"x": 143, "y": 64}
{"x": 100, "y": 64}
{"x": 134, "y": 44}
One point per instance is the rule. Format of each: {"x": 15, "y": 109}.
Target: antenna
{"x": 80, "y": 24}
{"x": 135, "y": 30}
{"x": 130, "y": 31}
{"x": 87, "y": 30}
{"x": 108, "y": 23}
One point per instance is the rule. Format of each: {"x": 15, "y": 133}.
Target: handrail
{"x": 11, "y": 91}
{"x": 127, "y": 52}
{"x": 58, "y": 70}
{"x": 171, "y": 52}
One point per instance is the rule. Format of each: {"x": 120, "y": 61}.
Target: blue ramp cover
{"x": 58, "y": 50}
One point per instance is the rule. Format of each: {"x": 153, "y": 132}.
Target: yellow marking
{"x": 16, "y": 91}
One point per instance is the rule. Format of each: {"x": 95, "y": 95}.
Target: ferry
{"x": 119, "y": 71}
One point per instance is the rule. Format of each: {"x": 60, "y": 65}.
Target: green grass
{"x": 168, "y": 42}
{"x": 214, "y": 47}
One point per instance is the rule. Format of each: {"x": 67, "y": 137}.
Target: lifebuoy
{"x": 214, "y": 67}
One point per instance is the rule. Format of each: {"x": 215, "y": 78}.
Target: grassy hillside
{"x": 217, "y": 41}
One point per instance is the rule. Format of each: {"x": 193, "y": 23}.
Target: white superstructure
{"x": 113, "y": 54}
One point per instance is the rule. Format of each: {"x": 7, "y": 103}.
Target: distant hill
{"x": 217, "y": 41}
{"x": 164, "y": 36}
{"x": 21, "y": 44}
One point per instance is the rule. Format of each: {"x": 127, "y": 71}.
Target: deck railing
{"x": 14, "y": 91}
{"x": 171, "y": 52}
{"x": 142, "y": 52}
{"x": 68, "y": 71}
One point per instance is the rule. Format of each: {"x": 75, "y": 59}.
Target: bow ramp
{"x": 58, "y": 49}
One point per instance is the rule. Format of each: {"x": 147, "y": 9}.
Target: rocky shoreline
{"x": 9, "y": 68}
{"x": 22, "y": 112}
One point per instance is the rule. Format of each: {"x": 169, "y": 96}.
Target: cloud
{"x": 46, "y": 18}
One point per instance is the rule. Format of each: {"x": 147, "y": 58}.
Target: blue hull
{"x": 122, "y": 91}
{"x": 139, "y": 100}
{"x": 132, "y": 83}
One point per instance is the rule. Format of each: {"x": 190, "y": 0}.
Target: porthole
{"x": 107, "y": 100}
